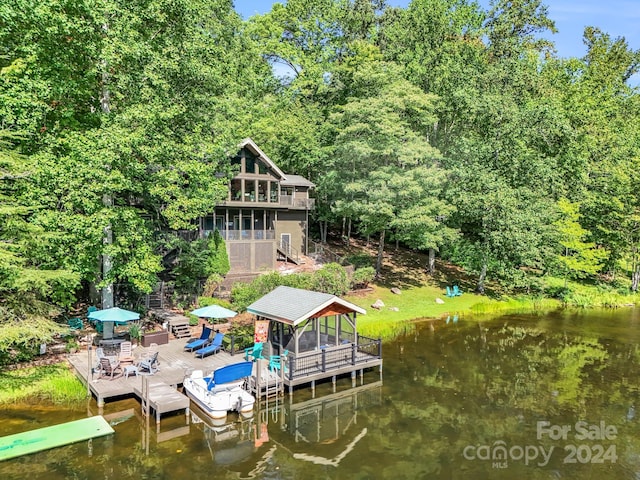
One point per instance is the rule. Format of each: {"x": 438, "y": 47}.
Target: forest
{"x": 448, "y": 128}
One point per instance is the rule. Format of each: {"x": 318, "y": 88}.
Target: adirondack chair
{"x": 254, "y": 352}
{"x": 109, "y": 368}
{"x": 75, "y": 323}
{"x": 456, "y": 291}
{"x": 450, "y": 292}
{"x": 150, "y": 364}
{"x": 275, "y": 361}
{"x": 126, "y": 354}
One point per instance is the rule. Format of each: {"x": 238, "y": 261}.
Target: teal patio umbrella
{"x": 113, "y": 316}
{"x": 213, "y": 311}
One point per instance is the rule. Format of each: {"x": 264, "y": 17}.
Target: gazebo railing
{"x": 333, "y": 358}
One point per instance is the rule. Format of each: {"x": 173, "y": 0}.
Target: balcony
{"x": 230, "y": 235}
{"x": 283, "y": 201}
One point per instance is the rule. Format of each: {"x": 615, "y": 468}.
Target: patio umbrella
{"x": 112, "y": 316}
{"x": 213, "y": 311}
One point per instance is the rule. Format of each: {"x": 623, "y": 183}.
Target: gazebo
{"x": 318, "y": 332}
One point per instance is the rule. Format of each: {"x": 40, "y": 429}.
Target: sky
{"x": 618, "y": 18}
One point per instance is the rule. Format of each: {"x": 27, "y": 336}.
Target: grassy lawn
{"x": 418, "y": 303}
{"x": 53, "y": 383}
{"x": 413, "y": 303}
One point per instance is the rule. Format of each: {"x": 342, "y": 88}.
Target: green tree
{"x": 579, "y": 258}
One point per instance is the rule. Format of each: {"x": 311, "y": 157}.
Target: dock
{"x": 174, "y": 364}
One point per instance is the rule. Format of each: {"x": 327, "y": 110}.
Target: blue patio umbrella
{"x": 117, "y": 316}
{"x": 213, "y": 311}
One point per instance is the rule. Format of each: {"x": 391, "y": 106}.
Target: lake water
{"x": 549, "y": 396}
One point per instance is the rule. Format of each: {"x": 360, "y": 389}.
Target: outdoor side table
{"x": 130, "y": 370}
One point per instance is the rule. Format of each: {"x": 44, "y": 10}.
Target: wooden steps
{"x": 180, "y": 329}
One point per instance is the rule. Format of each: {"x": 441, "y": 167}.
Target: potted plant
{"x": 135, "y": 333}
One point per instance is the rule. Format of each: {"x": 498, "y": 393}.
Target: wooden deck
{"x": 175, "y": 363}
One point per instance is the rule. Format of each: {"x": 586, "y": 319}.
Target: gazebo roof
{"x": 294, "y": 305}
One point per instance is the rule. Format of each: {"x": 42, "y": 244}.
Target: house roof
{"x": 294, "y": 305}
{"x": 251, "y": 145}
{"x": 297, "y": 181}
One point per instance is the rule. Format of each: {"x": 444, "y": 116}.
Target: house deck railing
{"x": 282, "y": 201}
{"x": 231, "y": 235}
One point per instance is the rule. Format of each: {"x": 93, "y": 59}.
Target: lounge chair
{"x": 254, "y": 352}
{"x": 108, "y": 368}
{"x": 150, "y": 364}
{"x": 200, "y": 342}
{"x": 456, "y": 291}
{"x": 215, "y": 346}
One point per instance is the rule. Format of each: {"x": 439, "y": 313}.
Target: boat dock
{"x": 174, "y": 364}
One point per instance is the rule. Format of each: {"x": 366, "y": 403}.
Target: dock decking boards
{"x": 46, "y": 438}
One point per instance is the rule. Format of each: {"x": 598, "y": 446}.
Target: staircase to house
{"x": 288, "y": 254}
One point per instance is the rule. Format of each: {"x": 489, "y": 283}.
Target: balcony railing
{"x": 283, "y": 201}
{"x": 247, "y": 234}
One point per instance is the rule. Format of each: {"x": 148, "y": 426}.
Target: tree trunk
{"x": 380, "y": 253}
{"x": 432, "y": 261}
{"x": 635, "y": 279}
{"x": 107, "y": 199}
{"x": 349, "y": 233}
{"x": 483, "y": 275}
{"x": 323, "y": 231}
{"x": 344, "y": 222}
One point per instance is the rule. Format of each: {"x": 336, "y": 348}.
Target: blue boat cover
{"x": 230, "y": 373}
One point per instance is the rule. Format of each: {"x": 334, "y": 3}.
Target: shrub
{"x": 20, "y": 340}
{"x": 332, "y": 278}
{"x": 362, "y": 277}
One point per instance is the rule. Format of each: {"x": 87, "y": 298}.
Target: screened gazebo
{"x": 318, "y": 332}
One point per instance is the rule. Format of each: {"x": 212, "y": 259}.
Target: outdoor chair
{"x": 456, "y": 291}
{"x": 275, "y": 361}
{"x": 150, "y": 364}
{"x": 254, "y": 352}
{"x": 108, "y": 368}
{"x": 200, "y": 342}
{"x": 450, "y": 292}
{"x": 215, "y": 346}
{"x": 90, "y": 310}
{"x": 75, "y": 323}
{"x": 126, "y": 354}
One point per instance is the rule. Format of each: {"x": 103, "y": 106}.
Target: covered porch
{"x": 316, "y": 334}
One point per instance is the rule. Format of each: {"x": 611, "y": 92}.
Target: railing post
{"x": 354, "y": 347}
{"x": 324, "y": 360}
{"x": 379, "y": 348}
{"x": 292, "y": 366}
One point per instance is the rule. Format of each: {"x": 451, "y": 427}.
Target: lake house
{"x": 265, "y": 215}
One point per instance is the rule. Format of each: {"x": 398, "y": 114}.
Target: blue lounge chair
{"x": 200, "y": 342}
{"x": 215, "y": 346}
{"x": 456, "y": 291}
{"x": 254, "y": 352}
{"x": 449, "y": 292}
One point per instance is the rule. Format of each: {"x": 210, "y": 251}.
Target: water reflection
{"x": 464, "y": 399}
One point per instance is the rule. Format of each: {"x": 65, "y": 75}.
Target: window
{"x": 250, "y": 162}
